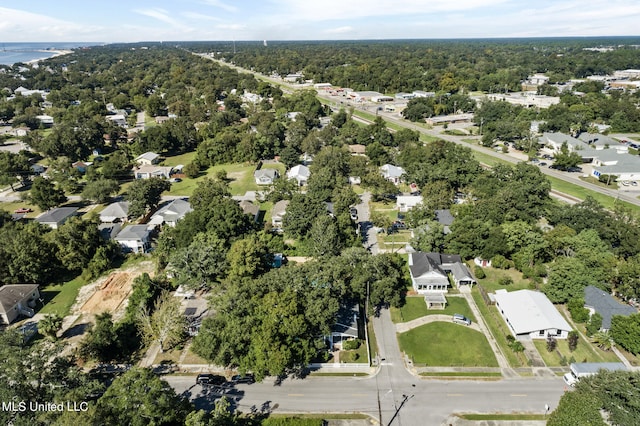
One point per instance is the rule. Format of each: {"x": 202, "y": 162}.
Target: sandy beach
{"x": 56, "y": 53}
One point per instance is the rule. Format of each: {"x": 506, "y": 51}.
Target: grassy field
{"x": 498, "y": 328}
{"x": 585, "y": 352}
{"x": 493, "y": 275}
{"x": 60, "y": 297}
{"x": 373, "y": 343}
{"x": 461, "y": 374}
{"x": 580, "y": 192}
{"x": 438, "y": 344}
{"x": 415, "y": 307}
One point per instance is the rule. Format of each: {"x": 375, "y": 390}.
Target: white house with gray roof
{"x": 115, "y": 212}
{"x": 171, "y": 213}
{"x": 602, "y": 142}
{"x": 148, "y": 158}
{"x": 16, "y": 300}
{"x": 392, "y": 173}
{"x": 300, "y": 173}
{"x": 134, "y": 238}
{"x": 56, "y": 217}
{"x": 265, "y": 176}
{"x": 553, "y": 142}
{"x": 531, "y": 315}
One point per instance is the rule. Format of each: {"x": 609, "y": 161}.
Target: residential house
{"x": 171, "y": 213}
{"x": 56, "y": 217}
{"x": 82, "y": 166}
{"x": 430, "y": 275}
{"x": 115, "y": 212}
{"x": 355, "y": 180}
{"x": 148, "y": 159}
{"x": 531, "y": 315}
{"x": 45, "y": 120}
{"x": 109, "y": 230}
{"x": 444, "y": 218}
{"x": 392, "y": 173}
{"x": 146, "y": 172}
{"x": 118, "y": 119}
{"x": 16, "y": 300}
{"x": 597, "y": 300}
{"x": 300, "y": 173}
{"x": 404, "y": 203}
{"x": 450, "y": 119}
{"x": 346, "y": 326}
{"x": 250, "y": 209}
{"x": 278, "y": 212}
{"x": 134, "y": 238}
{"x": 265, "y": 176}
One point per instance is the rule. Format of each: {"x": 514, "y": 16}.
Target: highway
{"x": 573, "y": 178}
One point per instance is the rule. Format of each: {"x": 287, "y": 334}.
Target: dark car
{"x": 210, "y": 379}
{"x": 574, "y": 169}
{"x": 542, "y": 164}
{"x": 246, "y": 378}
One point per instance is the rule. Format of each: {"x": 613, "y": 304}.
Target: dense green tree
{"x": 202, "y": 263}
{"x": 301, "y": 212}
{"x": 145, "y": 194}
{"x": 13, "y": 168}
{"x": 249, "y": 257}
{"x": 116, "y": 166}
{"x": 625, "y": 332}
{"x": 100, "y": 190}
{"x": 101, "y": 342}
{"x": 45, "y": 195}
{"x": 138, "y": 398}
{"x": 76, "y": 242}
{"x": 567, "y": 277}
{"x": 577, "y": 409}
{"x": 429, "y": 237}
{"x": 27, "y": 255}
{"x": 50, "y": 325}
{"x": 323, "y": 237}
{"x": 566, "y": 158}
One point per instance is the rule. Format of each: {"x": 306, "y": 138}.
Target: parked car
{"x": 542, "y": 164}
{"x": 23, "y": 210}
{"x": 353, "y": 212}
{"x": 210, "y": 379}
{"x": 634, "y": 183}
{"x": 625, "y": 183}
{"x": 399, "y": 225}
{"x": 461, "y": 319}
{"x": 246, "y": 378}
{"x": 547, "y": 157}
{"x": 574, "y": 169}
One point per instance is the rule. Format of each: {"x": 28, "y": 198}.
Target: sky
{"x": 163, "y": 20}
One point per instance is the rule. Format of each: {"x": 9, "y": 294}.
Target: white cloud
{"x": 19, "y": 25}
{"x": 221, "y": 5}
{"x": 354, "y": 9}
{"x": 340, "y": 30}
{"x": 200, "y": 16}
{"x": 160, "y": 15}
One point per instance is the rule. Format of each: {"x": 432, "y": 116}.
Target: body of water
{"x": 11, "y": 53}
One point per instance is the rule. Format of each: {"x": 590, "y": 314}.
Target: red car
{"x": 23, "y": 210}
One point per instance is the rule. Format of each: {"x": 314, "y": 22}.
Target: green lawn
{"x": 461, "y": 374}
{"x": 498, "y": 328}
{"x": 447, "y": 344}
{"x": 415, "y": 307}
{"x": 580, "y": 192}
{"x": 240, "y": 176}
{"x": 585, "y": 352}
{"x": 493, "y": 275}
{"x": 60, "y": 297}
{"x": 183, "y": 159}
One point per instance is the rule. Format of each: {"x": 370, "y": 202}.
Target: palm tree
{"x": 603, "y": 340}
{"x": 50, "y": 325}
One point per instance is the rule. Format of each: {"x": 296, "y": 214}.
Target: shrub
{"x": 500, "y": 262}
{"x": 577, "y": 310}
{"x": 192, "y": 170}
{"x": 552, "y": 343}
{"x": 572, "y": 340}
{"x": 516, "y": 346}
{"x": 594, "y": 324}
{"x": 349, "y": 345}
{"x": 479, "y": 272}
{"x": 505, "y": 280}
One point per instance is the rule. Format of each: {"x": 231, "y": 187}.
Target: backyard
{"x": 415, "y": 307}
{"x": 439, "y": 344}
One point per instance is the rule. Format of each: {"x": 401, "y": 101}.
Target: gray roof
{"x": 347, "y": 321}
{"x": 280, "y": 208}
{"x": 604, "y": 304}
{"x": 119, "y": 209}
{"x": 269, "y": 173}
{"x": 174, "y": 211}
{"x": 460, "y": 272}
{"x": 133, "y": 232}
{"x": 422, "y": 263}
{"x": 596, "y": 139}
{"x": 390, "y": 170}
{"x": 559, "y": 138}
{"x": 249, "y": 208}
{"x": 11, "y": 294}
{"x": 299, "y": 171}
{"x": 444, "y": 217}
{"x": 150, "y": 156}
{"x": 109, "y": 231}
{"x": 57, "y": 215}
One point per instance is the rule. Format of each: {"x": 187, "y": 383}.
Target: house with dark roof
{"x": 16, "y": 300}
{"x": 250, "y": 209}
{"x": 56, "y": 217}
{"x": 430, "y": 275}
{"x": 598, "y": 300}
{"x": 346, "y": 326}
